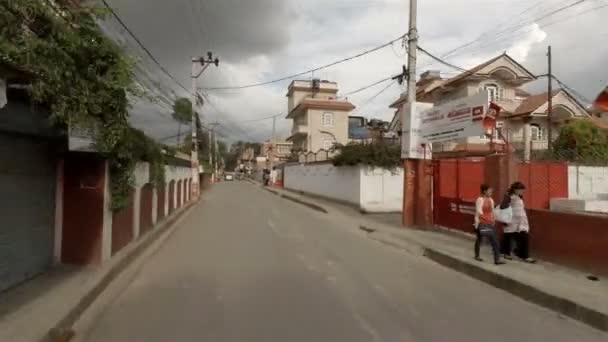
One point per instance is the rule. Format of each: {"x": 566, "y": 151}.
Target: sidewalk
{"x": 46, "y": 307}
{"x": 564, "y": 290}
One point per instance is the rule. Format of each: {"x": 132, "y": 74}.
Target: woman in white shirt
{"x": 519, "y": 228}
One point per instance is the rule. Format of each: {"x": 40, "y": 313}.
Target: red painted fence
{"x": 543, "y": 180}
{"x": 456, "y": 186}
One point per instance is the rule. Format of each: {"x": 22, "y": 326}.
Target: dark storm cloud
{"x": 174, "y": 31}
{"x": 234, "y": 30}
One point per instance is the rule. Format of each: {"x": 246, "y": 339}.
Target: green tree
{"x": 182, "y": 113}
{"x": 583, "y": 142}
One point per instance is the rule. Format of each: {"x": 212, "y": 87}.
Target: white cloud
{"x": 521, "y": 48}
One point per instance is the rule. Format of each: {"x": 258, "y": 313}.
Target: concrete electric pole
{"x": 550, "y": 103}
{"x": 212, "y": 158}
{"x": 410, "y": 172}
{"x": 194, "y": 156}
{"x": 273, "y": 142}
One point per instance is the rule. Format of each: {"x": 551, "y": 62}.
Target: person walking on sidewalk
{"x": 518, "y": 229}
{"x": 484, "y": 223}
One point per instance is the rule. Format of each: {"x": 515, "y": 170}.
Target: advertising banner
{"x": 457, "y": 119}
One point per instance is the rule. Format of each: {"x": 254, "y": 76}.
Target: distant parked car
{"x": 229, "y": 176}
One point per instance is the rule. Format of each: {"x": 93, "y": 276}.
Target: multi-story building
{"x": 277, "y": 150}
{"x": 320, "y": 119}
{"x": 523, "y": 120}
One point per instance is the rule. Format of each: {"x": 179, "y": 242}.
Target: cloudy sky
{"x": 261, "y": 40}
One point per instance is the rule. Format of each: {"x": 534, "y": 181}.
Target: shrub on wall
{"x": 379, "y": 154}
{"x": 583, "y": 142}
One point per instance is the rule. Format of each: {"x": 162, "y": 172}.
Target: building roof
{"x": 310, "y": 103}
{"x": 533, "y": 102}
{"x": 601, "y": 103}
{"x": 471, "y": 72}
{"x": 521, "y": 93}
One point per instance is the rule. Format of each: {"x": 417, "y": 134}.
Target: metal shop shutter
{"x": 27, "y": 208}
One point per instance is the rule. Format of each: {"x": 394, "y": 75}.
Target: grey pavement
{"x": 247, "y": 265}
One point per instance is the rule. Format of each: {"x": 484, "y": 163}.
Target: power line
{"x": 440, "y": 60}
{"x": 162, "y": 68}
{"x": 516, "y": 27}
{"x": 368, "y": 101}
{"x": 367, "y": 87}
{"x": 494, "y": 42}
{"x": 570, "y": 89}
{"x": 307, "y": 71}
{"x": 262, "y": 119}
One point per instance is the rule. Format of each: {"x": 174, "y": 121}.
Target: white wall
{"x": 587, "y": 181}
{"x": 325, "y": 180}
{"x": 381, "y": 190}
{"x": 372, "y": 190}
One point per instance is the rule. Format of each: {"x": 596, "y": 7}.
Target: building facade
{"x": 320, "y": 120}
{"x": 523, "y": 121}
{"x": 277, "y": 150}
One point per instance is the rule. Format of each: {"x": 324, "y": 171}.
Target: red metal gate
{"x": 455, "y": 187}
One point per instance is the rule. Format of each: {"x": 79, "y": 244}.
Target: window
{"x": 496, "y": 92}
{"x": 537, "y": 133}
{"x": 328, "y": 119}
{"x": 328, "y": 144}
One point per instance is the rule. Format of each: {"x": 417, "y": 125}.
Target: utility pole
{"x": 212, "y": 158}
{"x": 550, "y": 103}
{"x": 194, "y": 155}
{"x": 273, "y": 142}
{"x": 410, "y": 165}
{"x": 217, "y": 155}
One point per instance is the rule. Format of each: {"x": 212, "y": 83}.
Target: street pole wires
{"x": 366, "y": 87}
{"x": 262, "y": 119}
{"x": 226, "y": 118}
{"x": 579, "y": 96}
{"x": 138, "y": 41}
{"x": 372, "y": 98}
{"x": 309, "y": 71}
{"x": 514, "y": 28}
{"x": 497, "y": 42}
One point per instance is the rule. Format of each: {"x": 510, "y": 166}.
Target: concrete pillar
{"x": 167, "y": 194}
{"x": 527, "y": 139}
{"x": 136, "y": 212}
{"x": 185, "y": 191}
{"x": 58, "y": 213}
{"x": 500, "y": 172}
{"x": 154, "y": 206}
{"x": 106, "y": 247}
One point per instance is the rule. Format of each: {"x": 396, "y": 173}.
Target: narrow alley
{"x": 246, "y": 265}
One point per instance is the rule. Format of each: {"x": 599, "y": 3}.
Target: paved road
{"x": 249, "y": 266}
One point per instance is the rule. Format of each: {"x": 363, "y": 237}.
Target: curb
{"x": 63, "y": 332}
{"x": 306, "y": 204}
{"x": 529, "y": 293}
{"x": 297, "y": 200}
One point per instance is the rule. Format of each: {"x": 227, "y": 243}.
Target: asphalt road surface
{"x": 247, "y": 265}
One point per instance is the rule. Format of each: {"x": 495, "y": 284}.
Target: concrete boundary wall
{"x": 587, "y": 182}
{"x": 141, "y": 178}
{"x": 372, "y": 190}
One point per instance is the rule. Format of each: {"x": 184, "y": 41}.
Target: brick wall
{"x": 572, "y": 239}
